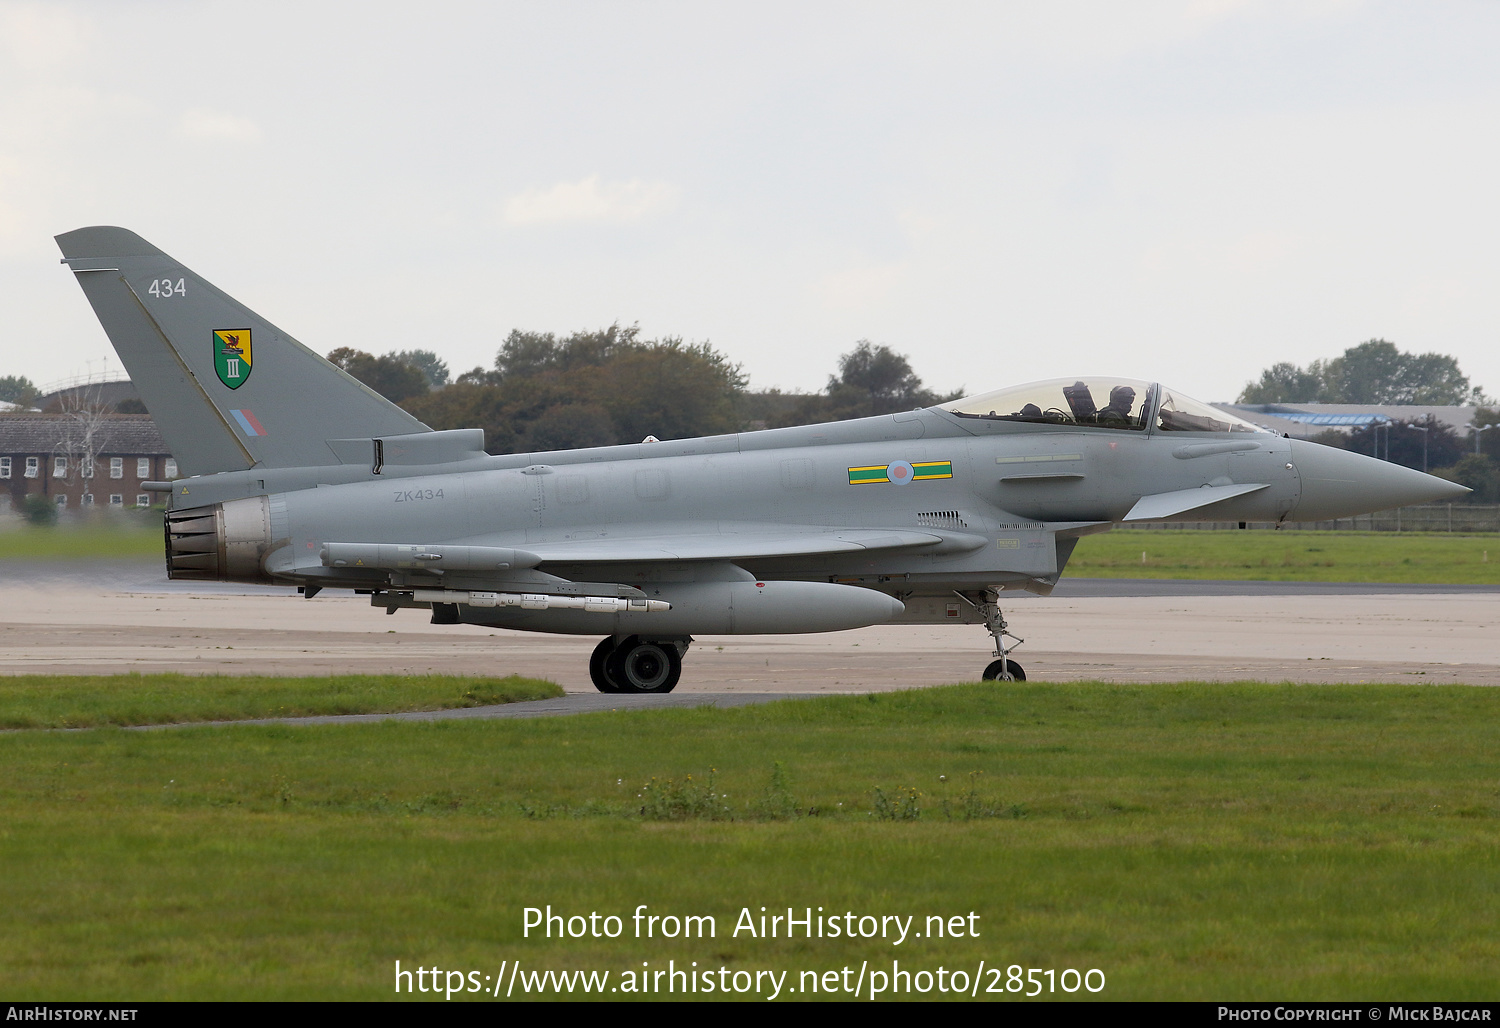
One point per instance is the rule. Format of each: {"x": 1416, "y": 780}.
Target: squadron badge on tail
{"x": 232, "y": 356}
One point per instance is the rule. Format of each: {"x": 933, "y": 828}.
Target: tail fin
{"x": 228, "y": 389}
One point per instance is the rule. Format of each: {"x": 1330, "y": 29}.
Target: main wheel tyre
{"x": 644, "y": 666}
{"x": 599, "y": 665}
{"x": 1016, "y": 672}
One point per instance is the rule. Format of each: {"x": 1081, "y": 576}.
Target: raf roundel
{"x": 900, "y": 473}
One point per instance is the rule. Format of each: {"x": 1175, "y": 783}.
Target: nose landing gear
{"x": 1004, "y": 669}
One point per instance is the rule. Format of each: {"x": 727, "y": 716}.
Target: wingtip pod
{"x": 102, "y": 241}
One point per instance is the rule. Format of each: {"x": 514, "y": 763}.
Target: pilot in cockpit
{"x": 1121, "y": 400}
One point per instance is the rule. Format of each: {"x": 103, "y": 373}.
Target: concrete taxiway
{"x": 63, "y": 617}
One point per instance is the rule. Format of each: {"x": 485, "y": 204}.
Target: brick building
{"x": 81, "y": 461}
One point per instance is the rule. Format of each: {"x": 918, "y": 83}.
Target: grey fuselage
{"x": 1019, "y": 497}
{"x": 304, "y": 476}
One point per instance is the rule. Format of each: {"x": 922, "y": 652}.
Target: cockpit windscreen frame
{"x": 1129, "y": 405}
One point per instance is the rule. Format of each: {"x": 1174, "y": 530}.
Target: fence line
{"x": 1431, "y": 517}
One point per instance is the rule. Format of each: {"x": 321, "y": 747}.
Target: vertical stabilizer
{"x": 228, "y": 389}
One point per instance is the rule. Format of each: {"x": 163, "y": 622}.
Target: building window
{"x": 143, "y": 499}
{"x": 33, "y": 466}
{"x": 59, "y": 467}
{"x": 87, "y": 467}
{"x": 143, "y": 468}
{"x": 116, "y": 499}
{"x": 117, "y": 467}
{"x": 88, "y": 499}
{"x": 171, "y": 469}
{"x": 4, "y": 467}
{"x": 62, "y": 499}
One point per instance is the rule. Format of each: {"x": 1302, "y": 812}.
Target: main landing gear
{"x": 632, "y": 664}
{"x": 1004, "y": 669}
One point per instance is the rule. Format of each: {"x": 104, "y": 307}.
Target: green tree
{"x": 877, "y": 379}
{"x": 468, "y": 404}
{"x": 392, "y": 378}
{"x": 1480, "y": 473}
{"x": 590, "y": 388}
{"x": 769, "y": 407}
{"x": 1374, "y": 372}
{"x": 1405, "y": 443}
{"x": 432, "y": 367}
{"x": 570, "y": 426}
{"x": 1285, "y": 383}
{"x": 871, "y": 380}
{"x": 39, "y": 510}
{"x": 18, "y": 389}
{"x": 1338, "y": 438}
{"x": 671, "y": 390}
{"x": 530, "y": 354}
{"x": 1377, "y": 372}
{"x": 1489, "y": 438}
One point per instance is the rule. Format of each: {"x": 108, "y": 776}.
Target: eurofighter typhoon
{"x": 299, "y": 475}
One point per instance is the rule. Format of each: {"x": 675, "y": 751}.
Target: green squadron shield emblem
{"x": 232, "y": 355}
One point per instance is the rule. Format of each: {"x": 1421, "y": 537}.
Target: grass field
{"x": 1290, "y": 556}
{"x": 1190, "y": 841}
{"x": 85, "y": 701}
{"x": 117, "y": 534}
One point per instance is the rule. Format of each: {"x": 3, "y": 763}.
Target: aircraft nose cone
{"x": 1340, "y": 484}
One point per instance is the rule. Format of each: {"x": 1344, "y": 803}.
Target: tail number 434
{"x": 166, "y": 288}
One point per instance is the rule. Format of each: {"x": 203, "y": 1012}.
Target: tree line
{"x": 1374, "y": 372}
{"x": 546, "y": 391}
{"x": 599, "y": 388}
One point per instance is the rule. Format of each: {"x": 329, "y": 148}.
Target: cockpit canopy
{"x": 1099, "y": 402}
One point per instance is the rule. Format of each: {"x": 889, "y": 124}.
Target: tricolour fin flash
{"x": 228, "y": 389}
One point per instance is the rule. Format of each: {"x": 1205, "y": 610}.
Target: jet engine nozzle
{"x": 1340, "y": 484}
{"x": 226, "y": 542}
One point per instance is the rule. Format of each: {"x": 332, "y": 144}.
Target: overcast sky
{"x": 1183, "y": 190}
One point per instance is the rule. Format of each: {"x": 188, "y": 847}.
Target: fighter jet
{"x": 299, "y": 475}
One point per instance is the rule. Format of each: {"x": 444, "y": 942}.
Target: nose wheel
{"x": 1004, "y": 671}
